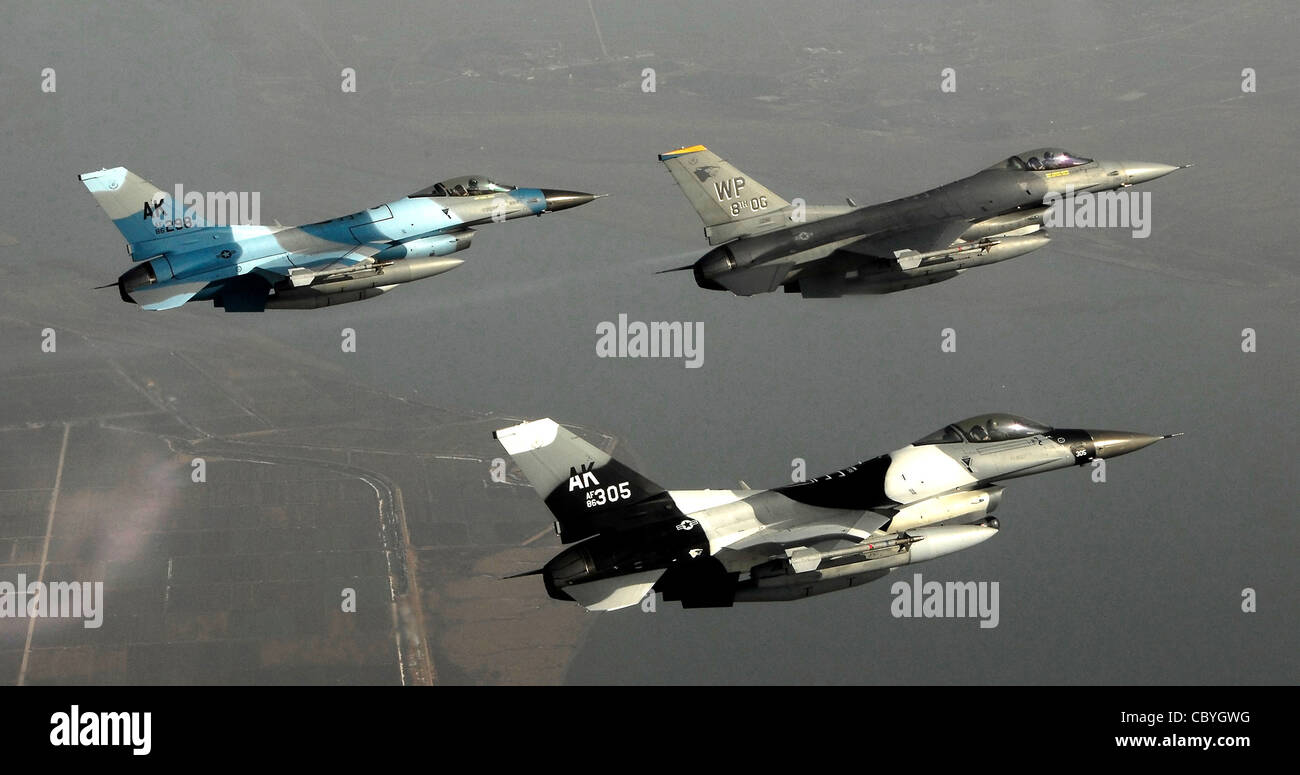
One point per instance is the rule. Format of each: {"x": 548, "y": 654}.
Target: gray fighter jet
{"x": 821, "y": 251}
{"x": 715, "y": 547}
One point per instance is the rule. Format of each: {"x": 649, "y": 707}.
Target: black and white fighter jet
{"x": 716, "y": 547}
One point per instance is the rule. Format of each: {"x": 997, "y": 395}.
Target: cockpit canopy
{"x": 1041, "y": 159}
{"x": 986, "y": 427}
{"x": 469, "y": 185}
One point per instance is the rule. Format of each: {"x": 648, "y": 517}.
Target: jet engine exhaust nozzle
{"x": 134, "y": 279}
{"x": 716, "y": 262}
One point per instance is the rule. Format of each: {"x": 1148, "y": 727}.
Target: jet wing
{"x": 339, "y": 268}
{"x": 882, "y": 252}
{"x": 780, "y": 540}
{"x": 335, "y": 270}
{"x": 925, "y": 239}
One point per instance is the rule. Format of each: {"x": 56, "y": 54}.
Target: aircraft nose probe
{"x": 1136, "y": 172}
{"x": 1115, "y": 443}
{"x": 559, "y": 199}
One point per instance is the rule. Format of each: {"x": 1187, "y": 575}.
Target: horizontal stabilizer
{"x": 615, "y": 592}
{"x": 170, "y": 302}
{"x": 760, "y": 278}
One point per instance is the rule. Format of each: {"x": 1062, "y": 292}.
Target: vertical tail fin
{"x": 139, "y": 209}
{"x": 730, "y": 203}
{"x": 588, "y": 491}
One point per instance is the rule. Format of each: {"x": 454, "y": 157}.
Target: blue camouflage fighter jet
{"x": 187, "y": 251}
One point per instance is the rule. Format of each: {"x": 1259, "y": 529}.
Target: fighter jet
{"x": 708, "y": 548}
{"x": 765, "y": 242}
{"x": 183, "y": 253}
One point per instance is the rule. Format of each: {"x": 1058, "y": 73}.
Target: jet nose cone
{"x": 1115, "y": 443}
{"x": 558, "y": 199}
{"x": 1143, "y": 171}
